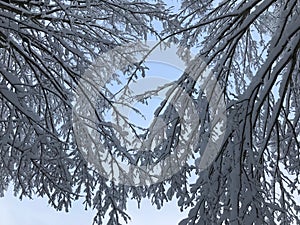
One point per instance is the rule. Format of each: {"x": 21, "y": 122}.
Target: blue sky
{"x": 37, "y": 211}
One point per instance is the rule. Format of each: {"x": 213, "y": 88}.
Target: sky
{"x": 37, "y": 211}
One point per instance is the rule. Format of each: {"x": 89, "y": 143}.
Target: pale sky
{"x": 38, "y": 212}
